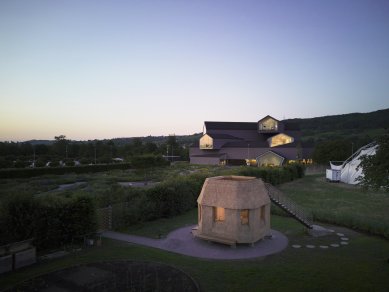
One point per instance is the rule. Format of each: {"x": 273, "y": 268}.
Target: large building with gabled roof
{"x": 268, "y": 142}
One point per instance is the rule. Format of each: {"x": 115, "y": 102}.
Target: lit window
{"x": 244, "y": 217}
{"x": 280, "y": 139}
{"x": 206, "y": 142}
{"x": 219, "y": 214}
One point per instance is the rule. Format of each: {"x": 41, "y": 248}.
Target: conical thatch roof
{"x": 234, "y": 192}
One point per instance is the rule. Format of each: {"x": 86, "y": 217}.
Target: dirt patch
{"x": 113, "y": 276}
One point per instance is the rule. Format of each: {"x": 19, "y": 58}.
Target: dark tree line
{"x": 62, "y": 150}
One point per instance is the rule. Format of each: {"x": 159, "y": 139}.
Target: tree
{"x": 60, "y": 145}
{"x": 376, "y": 167}
{"x": 333, "y": 150}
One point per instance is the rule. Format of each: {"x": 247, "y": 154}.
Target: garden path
{"x": 182, "y": 241}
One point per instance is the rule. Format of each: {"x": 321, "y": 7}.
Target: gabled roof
{"x": 270, "y": 151}
{"x": 230, "y": 126}
{"x": 267, "y": 118}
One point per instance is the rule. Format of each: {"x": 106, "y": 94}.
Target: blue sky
{"x": 106, "y": 69}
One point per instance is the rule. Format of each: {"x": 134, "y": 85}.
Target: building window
{"x": 280, "y": 139}
{"x": 219, "y": 214}
{"x": 268, "y": 125}
{"x": 244, "y": 217}
{"x": 206, "y": 142}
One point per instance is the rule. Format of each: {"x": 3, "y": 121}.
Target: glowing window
{"x": 206, "y": 142}
{"x": 244, "y": 217}
{"x": 280, "y": 139}
{"x": 268, "y": 125}
{"x": 219, "y": 214}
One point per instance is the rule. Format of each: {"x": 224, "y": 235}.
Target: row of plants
{"x": 141, "y": 161}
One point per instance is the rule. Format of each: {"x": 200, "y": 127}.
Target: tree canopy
{"x": 376, "y": 167}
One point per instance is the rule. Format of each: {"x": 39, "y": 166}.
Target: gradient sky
{"x": 106, "y": 69}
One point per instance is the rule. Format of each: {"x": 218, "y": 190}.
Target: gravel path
{"x": 183, "y": 242}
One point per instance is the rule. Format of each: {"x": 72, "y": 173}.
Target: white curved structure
{"x": 348, "y": 169}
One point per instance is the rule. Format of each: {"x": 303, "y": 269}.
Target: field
{"x": 362, "y": 265}
{"x": 342, "y": 204}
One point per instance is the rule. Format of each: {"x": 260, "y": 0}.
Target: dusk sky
{"x": 106, "y": 69}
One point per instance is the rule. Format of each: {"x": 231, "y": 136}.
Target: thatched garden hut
{"x": 233, "y": 209}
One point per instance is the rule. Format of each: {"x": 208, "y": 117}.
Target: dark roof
{"x": 245, "y": 144}
{"x": 209, "y": 155}
{"x": 230, "y": 126}
{"x": 223, "y": 136}
{"x": 266, "y": 118}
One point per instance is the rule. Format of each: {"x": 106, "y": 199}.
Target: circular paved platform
{"x": 183, "y": 242}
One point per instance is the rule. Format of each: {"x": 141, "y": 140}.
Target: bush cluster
{"x": 52, "y": 221}
{"x": 275, "y": 175}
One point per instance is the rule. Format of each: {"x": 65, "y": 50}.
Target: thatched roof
{"x": 234, "y": 192}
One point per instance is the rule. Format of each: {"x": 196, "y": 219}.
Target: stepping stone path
{"x": 343, "y": 238}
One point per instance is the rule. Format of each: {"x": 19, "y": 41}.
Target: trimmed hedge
{"x": 30, "y": 172}
{"x": 275, "y": 175}
{"x": 168, "y": 199}
{"x": 51, "y": 220}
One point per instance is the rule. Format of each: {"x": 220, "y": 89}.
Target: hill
{"x": 359, "y": 127}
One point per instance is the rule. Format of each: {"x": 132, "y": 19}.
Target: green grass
{"x": 341, "y": 204}
{"x": 361, "y": 266}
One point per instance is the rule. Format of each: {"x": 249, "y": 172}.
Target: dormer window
{"x": 206, "y": 142}
{"x": 268, "y": 124}
{"x": 280, "y": 139}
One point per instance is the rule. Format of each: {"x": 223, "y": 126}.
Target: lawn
{"x": 363, "y": 265}
{"x": 360, "y": 266}
{"x": 341, "y": 204}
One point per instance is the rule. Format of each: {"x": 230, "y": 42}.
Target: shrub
{"x": 51, "y": 220}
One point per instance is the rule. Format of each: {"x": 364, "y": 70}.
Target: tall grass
{"x": 341, "y": 204}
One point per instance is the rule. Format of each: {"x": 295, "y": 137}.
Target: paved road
{"x": 182, "y": 241}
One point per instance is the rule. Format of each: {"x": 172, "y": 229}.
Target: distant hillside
{"x": 359, "y": 127}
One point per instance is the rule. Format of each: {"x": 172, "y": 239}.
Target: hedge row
{"x": 167, "y": 199}
{"x": 30, "y": 172}
{"x": 180, "y": 194}
{"x": 51, "y": 220}
{"x": 275, "y": 175}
